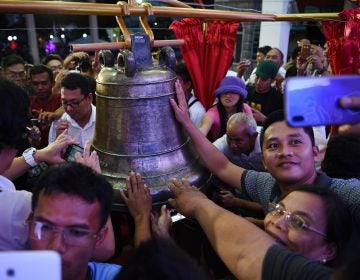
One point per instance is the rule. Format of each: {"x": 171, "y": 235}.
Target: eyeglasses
{"x": 71, "y": 236}
{"x": 14, "y": 75}
{"x": 74, "y": 104}
{"x": 292, "y": 220}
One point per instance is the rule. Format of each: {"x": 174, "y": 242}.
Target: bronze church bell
{"x": 136, "y": 129}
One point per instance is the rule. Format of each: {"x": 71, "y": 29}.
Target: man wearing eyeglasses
{"x": 289, "y": 156}
{"x": 14, "y": 69}
{"x": 69, "y": 216}
{"x": 80, "y": 115}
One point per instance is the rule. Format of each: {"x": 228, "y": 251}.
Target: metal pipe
{"x": 77, "y": 8}
{"x": 307, "y": 17}
{"x": 120, "y": 45}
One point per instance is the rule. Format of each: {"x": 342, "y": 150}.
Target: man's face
{"x": 259, "y": 57}
{"x": 288, "y": 154}
{"x": 55, "y": 65}
{"x": 41, "y": 85}
{"x": 16, "y": 73}
{"x": 77, "y": 105}
{"x": 70, "y": 226}
{"x": 275, "y": 56}
{"x": 262, "y": 86}
{"x": 238, "y": 139}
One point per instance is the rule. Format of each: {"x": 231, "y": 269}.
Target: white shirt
{"x": 78, "y": 133}
{"x": 15, "y": 207}
{"x": 196, "y": 110}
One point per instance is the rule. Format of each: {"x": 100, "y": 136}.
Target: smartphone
{"x": 305, "y": 51}
{"x": 247, "y": 62}
{"x": 71, "y": 151}
{"x": 30, "y": 265}
{"x": 313, "y": 101}
{"x": 34, "y": 122}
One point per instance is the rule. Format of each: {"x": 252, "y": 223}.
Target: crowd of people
{"x": 277, "y": 206}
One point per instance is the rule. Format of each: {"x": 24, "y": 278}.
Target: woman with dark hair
{"x": 231, "y": 95}
{"x": 306, "y": 221}
{"x": 306, "y": 228}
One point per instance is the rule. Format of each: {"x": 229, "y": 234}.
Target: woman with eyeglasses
{"x": 306, "y": 221}
{"x": 305, "y": 229}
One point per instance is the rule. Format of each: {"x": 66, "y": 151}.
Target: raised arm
{"x": 240, "y": 244}
{"x": 206, "y": 124}
{"x": 212, "y": 158}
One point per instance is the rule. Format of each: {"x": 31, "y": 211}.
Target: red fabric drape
{"x": 207, "y": 53}
{"x": 343, "y": 39}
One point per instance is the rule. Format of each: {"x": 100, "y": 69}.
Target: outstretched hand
{"x": 180, "y": 108}
{"x": 161, "y": 224}
{"x": 90, "y": 159}
{"x": 137, "y": 197}
{"x": 53, "y": 153}
{"x": 187, "y": 197}
{"x": 350, "y": 102}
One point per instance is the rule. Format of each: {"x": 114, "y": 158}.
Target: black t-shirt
{"x": 281, "y": 264}
{"x": 266, "y": 102}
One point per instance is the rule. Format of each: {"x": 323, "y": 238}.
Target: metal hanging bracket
{"x": 144, "y": 23}
{"x": 125, "y": 11}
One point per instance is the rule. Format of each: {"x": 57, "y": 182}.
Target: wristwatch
{"x": 28, "y": 155}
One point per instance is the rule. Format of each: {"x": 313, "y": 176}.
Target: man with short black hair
{"x": 14, "y": 69}
{"x": 43, "y": 100}
{"x": 69, "y": 217}
{"x": 80, "y": 115}
{"x": 54, "y": 62}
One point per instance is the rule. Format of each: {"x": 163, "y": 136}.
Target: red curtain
{"x": 343, "y": 39}
{"x": 207, "y": 53}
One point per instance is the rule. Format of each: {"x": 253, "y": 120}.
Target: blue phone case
{"x": 311, "y": 101}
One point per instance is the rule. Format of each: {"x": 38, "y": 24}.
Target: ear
{"x": 329, "y": 252}
{"x": 316, "y": 152}
{"x": 90, "y": 96}
{"x": 101, "y": 236}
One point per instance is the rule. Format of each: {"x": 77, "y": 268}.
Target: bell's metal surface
{"x": 136, "y": 129}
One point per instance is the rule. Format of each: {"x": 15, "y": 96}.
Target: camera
{"x": 71, "y": 151}
{"x": 247, "y": 62}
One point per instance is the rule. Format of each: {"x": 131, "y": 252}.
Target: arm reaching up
{"x": 139, "y": 203}
{"x": 213, "y": 159}
{"x": 240, "y": 244}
